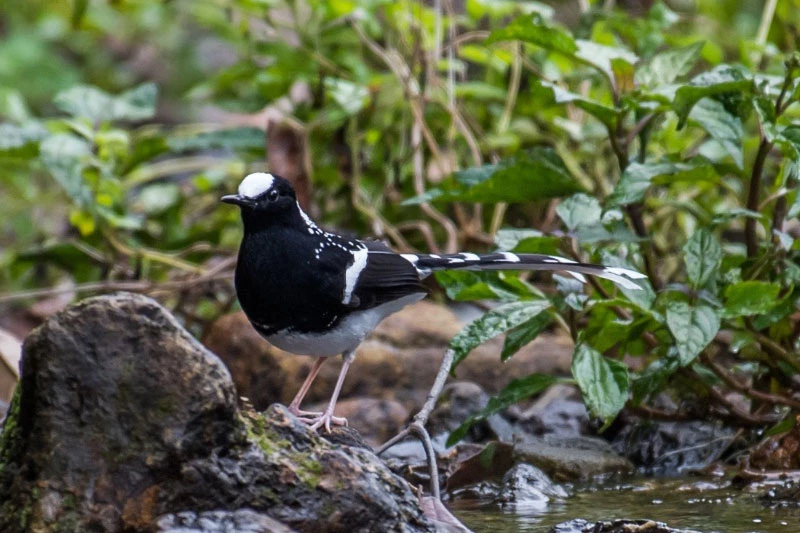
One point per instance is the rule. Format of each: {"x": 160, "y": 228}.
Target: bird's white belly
{"x": 345, "y": 336}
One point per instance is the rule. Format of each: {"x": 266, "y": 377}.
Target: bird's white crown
{"x": 256, "y": 184}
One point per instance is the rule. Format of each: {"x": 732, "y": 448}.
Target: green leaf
{"x": 722, "y": 79}
{"x": 351, "y": 97}
{"x": 653, "y": 379}
{"x": 531, "y": 175}
{"x": 529, "y": 241}
{"x": 65, "y": 156}
{"x": 533, "y": 29}
{"x": 603, "y": 382}
{"x": 603, "y": 57}
{"x": 666, "y": 67}
{"x": 692, "y": 327}
{"x": 244, "y": 139}
{"x": 703, "y": 256}
{"x": 21, "y": 141}
{"x": 723, "y": 127}
{"x": 605, "y": 114}
{"x": 750, "y": 298}
{"x": 492, "y": 324}
{"x": 468, "y": 286}
{"x": 525, "y": 333}
{"x": 84, "y": 101}
{"x": 518, "y": 390}
{"x": 638, "y": 178}
{"x": 579, "y": 210}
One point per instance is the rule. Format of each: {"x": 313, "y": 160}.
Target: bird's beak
{"x": 237, "y": 199}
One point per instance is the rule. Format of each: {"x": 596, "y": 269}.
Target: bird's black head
{"x": 264, "y": 198}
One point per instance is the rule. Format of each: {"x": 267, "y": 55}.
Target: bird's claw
{"x": 299, "y": 413}
{"x": 325, "y": 420}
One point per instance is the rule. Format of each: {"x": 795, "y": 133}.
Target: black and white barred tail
{"x": 427, "y": 263}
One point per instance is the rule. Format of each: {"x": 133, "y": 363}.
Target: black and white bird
{"x": 311, "y": 292}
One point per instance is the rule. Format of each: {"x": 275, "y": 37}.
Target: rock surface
{"x": 121, "y": 417}
{"x": 398, "y": 361}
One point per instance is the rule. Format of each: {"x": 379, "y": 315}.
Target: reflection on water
{"x": 681, "y": 503}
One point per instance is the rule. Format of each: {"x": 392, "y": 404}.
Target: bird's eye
{"x": 272, "y": 195}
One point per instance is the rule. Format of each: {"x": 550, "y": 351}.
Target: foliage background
{"x": 659, "y": 136}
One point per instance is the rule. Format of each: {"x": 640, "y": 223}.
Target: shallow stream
{"x": 681, "y": 503}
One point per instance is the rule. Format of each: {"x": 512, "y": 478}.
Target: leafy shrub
{"x": 659, "y": 141}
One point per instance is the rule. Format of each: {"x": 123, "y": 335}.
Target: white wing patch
{"x": 256, "y": 184}
{"x": 353, "y": 272}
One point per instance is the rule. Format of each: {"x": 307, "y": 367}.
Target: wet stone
{"x": 122, "y": 417}
{"x": 527, "y": 485}
{"x": 242, "y": 521}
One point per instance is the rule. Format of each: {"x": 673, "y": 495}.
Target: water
{"x": 681, "y": 503}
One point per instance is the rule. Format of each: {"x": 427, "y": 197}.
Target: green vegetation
{"x": 665, "y": 139}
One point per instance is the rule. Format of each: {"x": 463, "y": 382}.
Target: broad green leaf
{"x": 528, "y": 241}
{"x": 750, "y": 298}
{"x": 601, "y": 56}
{"x": 605, "y": 114}
{"x": 530, "y": 175}
{"x": 603, "y": 382}
{"x": 666, "y": 67}
{"x": 703, "y": 256}
{"x": 638, "y": 177}
{"x": 492, "y": 324}
{"x": 723, "y": 127}
{"x": 518, "y": 390}
{"x": 579, "y": 210}
{"x": 533, "y": 29}
{"x": 246, "y": 138}
{"x": 721, "y": 79}
{"x": 692, "y": 327}
{"x": 654, "y": 377}
{"x": 65, "y": 156}
{"x": 506, "y": 8}
{"x": 351, "y": 97}
{"x": 21, "y": 141}
{"x": 481, "y": 90}
{"x": 525, "y": 333}
{"x": 469, "y": 286}
{"x": 84, "y": 101}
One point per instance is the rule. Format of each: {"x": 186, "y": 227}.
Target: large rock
{"x": 398, "y": 361}
{"x": 121, "y": 417}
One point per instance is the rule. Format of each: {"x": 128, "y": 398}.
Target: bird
{"x": 313, "y": 292}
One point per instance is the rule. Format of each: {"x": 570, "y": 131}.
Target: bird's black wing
{"x": 387, "y": 276}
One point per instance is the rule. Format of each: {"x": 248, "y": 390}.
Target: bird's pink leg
{"x": 327, "y": 418}
{"x": 294, "y": 407}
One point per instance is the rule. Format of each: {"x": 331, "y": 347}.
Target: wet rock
{"x": 399, "y": 360}
{"x": 559, "y": 412}
{"x": 671, "y": 447}
{"x": 526, "y": 485}
{"x": 122, "y": 417}
{"x": 778, "y": 452}
{"x": 579, "y": 525}
{"x": 243, "y": 521}
{"x": 571, "y": 459}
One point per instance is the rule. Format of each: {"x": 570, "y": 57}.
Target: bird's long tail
{"x": 427, "y": 263}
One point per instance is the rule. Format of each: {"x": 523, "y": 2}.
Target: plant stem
{"x": 750, "y": 235}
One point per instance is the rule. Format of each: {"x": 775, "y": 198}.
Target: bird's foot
{"x": 296, "y": 411}
{"x": 324, "y": 420}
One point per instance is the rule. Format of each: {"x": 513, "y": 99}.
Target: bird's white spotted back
{"x": 353, "y": 271}
{"x": 255, "y": 184}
